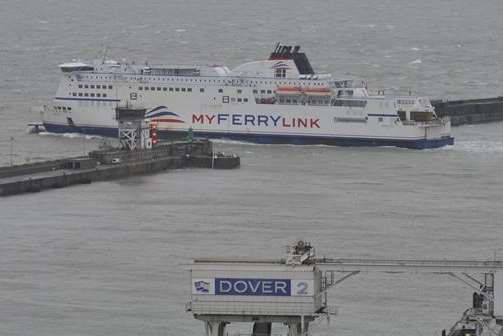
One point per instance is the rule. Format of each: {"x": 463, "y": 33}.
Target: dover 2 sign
{"x": 253, "y": 286}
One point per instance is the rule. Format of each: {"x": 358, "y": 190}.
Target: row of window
{"x": 406, "y": 101}
{"x": 224, "y": 81}
{"x": 89, "y": 94}
{"x": 95, "y": 86}
{"x": 342, "y": 93}
{"x": 280, "y": 73}
{"x": 293, "y": 100}
{"x": 311, "y": 101}
{"x": 226, "y": 99}
{"x": 100, "y": 103}
{"x": 239, "y": 91}
{"x": 170, "y": 89}
{"x": 228, "y": 81}
{"x": 349, "y": 103}
{"x": 176, "y": 89}
{"x": 64, "y": 108}
{"x": 262, "y": 91}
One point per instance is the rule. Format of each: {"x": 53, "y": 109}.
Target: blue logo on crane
{"x": 202, "y": 286}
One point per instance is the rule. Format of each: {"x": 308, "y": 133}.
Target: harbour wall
{"x": 111, "y": 164}
{"x": 32, "y": 168}
{"x": 69, "y": 178}
{"x": 470, "y": 111}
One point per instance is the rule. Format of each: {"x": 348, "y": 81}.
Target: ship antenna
{"x": 104, "y": 51}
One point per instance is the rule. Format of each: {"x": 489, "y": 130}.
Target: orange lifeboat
{"x": 317, "y": 91}
{"x": 289, "y": 90}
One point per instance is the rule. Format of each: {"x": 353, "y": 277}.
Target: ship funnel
{"x": 277, "y": 47}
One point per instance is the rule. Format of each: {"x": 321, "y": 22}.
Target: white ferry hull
{"x": 258, "y": 123}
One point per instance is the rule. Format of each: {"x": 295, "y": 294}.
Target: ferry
{"x": 277, "y": 100}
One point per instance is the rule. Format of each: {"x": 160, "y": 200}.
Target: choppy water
{"x": 106, "y": 258}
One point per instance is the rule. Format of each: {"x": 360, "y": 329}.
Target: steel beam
{"x": 409, "y": 265}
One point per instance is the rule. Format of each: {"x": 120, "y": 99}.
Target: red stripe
{"x": 170, "y": 120}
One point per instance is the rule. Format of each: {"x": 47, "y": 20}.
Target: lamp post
{"x": 11, "y": 150}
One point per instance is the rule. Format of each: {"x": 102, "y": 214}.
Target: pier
{"x": 140, "y": 153}
{"x": 470, "y": 111}
{"x": 111, "y": 164}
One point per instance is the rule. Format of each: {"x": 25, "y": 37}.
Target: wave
{"x": 417, "y": 61}
{"x": 234, "y": 142}
{"x": 71, "y": 135}
{"x": 490, "y": 147}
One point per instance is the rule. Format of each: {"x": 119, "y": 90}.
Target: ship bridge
{"x": 293, "y": 290}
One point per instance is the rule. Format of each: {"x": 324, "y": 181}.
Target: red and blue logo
{"x": 280, "y": 65}
{"x": 162, "y": 114}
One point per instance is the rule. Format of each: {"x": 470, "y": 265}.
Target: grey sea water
{"x": 107, "y": 258}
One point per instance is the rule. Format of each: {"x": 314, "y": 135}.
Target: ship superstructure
{"x": 277, "y": 100}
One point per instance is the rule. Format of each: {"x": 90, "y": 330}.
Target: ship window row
{"x": 406, "y": 101}
{"x": 293, "y": 100}
{"x": 95, "y": 86}
{"x": 239, "y": 91}
{"x": 170, "y": 89}
{"x": 224, "y": 81}
{"x": 263, "y": 91}
{"x": 87, "y": 103}
{"x": 226, "y": 99}
{"x": 64, "y": 108}
{"x": 91, "y": 94}
{"x": 349, "y": 103}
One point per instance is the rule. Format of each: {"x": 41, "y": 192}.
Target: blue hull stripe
{"x": 266, "y": 138}
{"x": 87, "y": 99}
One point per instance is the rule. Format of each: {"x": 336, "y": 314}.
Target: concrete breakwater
{"x": 111, "y": 164}
{"x": 470, "y": 111}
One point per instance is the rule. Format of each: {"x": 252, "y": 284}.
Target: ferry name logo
{"x": 202, "y": 286}
{"x": 255, "y": 120}
{"x": 258, "y": 287}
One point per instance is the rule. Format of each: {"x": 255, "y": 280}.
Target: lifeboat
{"x": 314, "y": 91}
{"x": 317, "y": 91}
{"x": 289, "y": 90}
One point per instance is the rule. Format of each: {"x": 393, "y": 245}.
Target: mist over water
{"x": 107, "y": 258}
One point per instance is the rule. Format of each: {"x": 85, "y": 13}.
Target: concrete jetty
{"x": 470, "y": 111}
{"x": 111, "y": 164}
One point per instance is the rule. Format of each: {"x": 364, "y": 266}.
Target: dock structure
{"x": 111, "y": 164}
{"x": 134, "y": 129}
{"x": 293, "y": 290}
{"x": 261, "y": 292}
{"x": 140, "y": 154}
{"x": 470, "y": 111}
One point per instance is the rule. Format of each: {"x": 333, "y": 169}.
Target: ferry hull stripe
{"x": 87, "y": 99}
{"x": 168, "y": 120}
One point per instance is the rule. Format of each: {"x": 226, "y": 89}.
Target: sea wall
{"x": 470, "y": 111}
{"x": 109, "y": 165}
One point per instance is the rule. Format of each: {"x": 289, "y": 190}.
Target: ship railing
{"x": 395, "y": 92}
{"x": 347, "y": 84}
{"x": 430, "y": 123}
